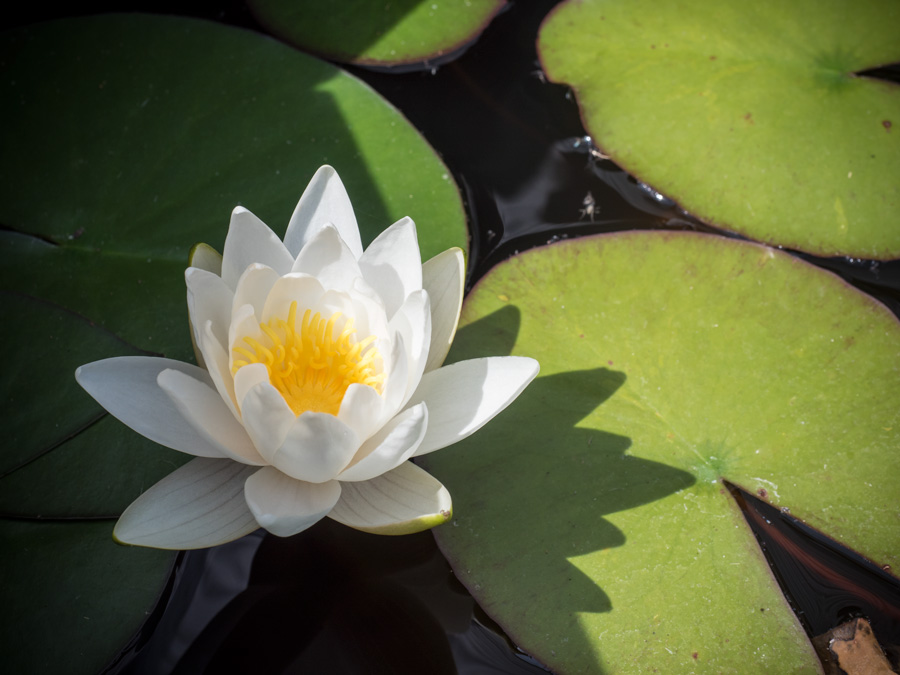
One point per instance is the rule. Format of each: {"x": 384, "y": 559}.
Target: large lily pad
{"x": 368, "y": 33}
{"x": 56, "y": 619}
{"x": 751, "y": 115}
{"x": 591, "y": 518}
{"x": 127, "y": 140}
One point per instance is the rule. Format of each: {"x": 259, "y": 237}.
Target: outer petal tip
{"x": 325, "y": 171}
{"x": 325, "y": 200}
{"x": 466, "y": 395}
{"x": 284, "y": 506}
{"x": 116, "y": 538}
{"x": 205, "y": 257}
{"x": 200, "y": 504}
{"x": 443, "y": 277}
{"x": 402, "y": 501}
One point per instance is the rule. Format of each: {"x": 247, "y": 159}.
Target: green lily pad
{"x": 751, "y": 115}
{"x": 368, "y": 33}
{"x": 591, "y": 520}
{"x": 68, "y": 339}
{"x": 127, "y": 140}
{"x": 55, "y": 619}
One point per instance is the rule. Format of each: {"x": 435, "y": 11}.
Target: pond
{"x": 332, "y": 599}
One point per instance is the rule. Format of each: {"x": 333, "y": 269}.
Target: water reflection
{"x": 330, "y": 599}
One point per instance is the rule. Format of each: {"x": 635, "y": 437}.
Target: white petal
{"x": 413, "y": 322}
{"x": 464, "y": 396}
{"x": 198, "y": 353}
{"x": 243, "y": 325}
{"x": 205, "y": 257}
{"x": 199, "y": 504}
{"x": 126, "y": 386}
{"x": 253, "y": 288}
{"x": 394, "y": 392}
{"x": 362, "y": 287}
{"x": 368, "y": 317}
{"x": 305, "y": 290}
{"x": 216, "y": 362}
{"x": 246, "y": 378}
{"x": 249, "y": 241}
{"x": 317, "y": 447}
{"x": 200, "y": 404}
{"x": 267, "y": 418}
{"x": 285, "y": 506}
{"x": 337, "y": 301}
{"x": 208, "y": 299}
{"x": 391, "y": 446}
{"x": 361, "y": 409}
{"x": 443, "y": 278}
{"x": 324, "y": 201}
{"x": 393, "y": 265}
{"x": 327, "y": 258}
{"x": 402, "y": 501}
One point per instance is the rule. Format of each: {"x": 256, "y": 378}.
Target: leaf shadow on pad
{"x": 538, "y": 481}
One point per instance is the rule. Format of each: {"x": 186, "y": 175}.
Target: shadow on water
{"x": 329, "y": 600}
{"x": 531, "y": 490}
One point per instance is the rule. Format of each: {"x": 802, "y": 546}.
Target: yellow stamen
{"x": 311, "y": 367}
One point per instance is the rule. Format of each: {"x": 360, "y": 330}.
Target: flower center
{"x": 312, "y": 366}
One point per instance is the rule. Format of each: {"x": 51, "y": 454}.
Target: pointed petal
{"x": 126, "y": 386}
{"x": 208, "y": 299}
{"x": 253, "y": 288}
{"x": 413, "y": 322}
{"x": 249, "y": 241}
{"x": 402, "y": 501}
{"x": 361, "y": 409}
{"x": 327, "y": 258}
{"x": 393, "y": 265}
{"x": 199, "y": 504}
{"x": 267, "y": 418}
{"x": 394, "y": 443}
{"x": 200, "y": 404}
{"x": 443, "y": 278}
{"x": 465, "y": 396}
{"x": 205, "y": 257}
{"x": 285, "y": 506}
{"x": 324, "y": 201}
{"x": 317, "y": 447}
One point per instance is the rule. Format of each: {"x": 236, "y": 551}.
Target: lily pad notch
{"x": 752, "y": 117}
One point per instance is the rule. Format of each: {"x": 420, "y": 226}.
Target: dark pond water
{"x": 332, "y": 600}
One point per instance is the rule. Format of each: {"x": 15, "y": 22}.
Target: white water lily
{"x": 320, "y": 378}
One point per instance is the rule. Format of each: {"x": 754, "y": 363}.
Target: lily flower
{"x": 320, "y": 378}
